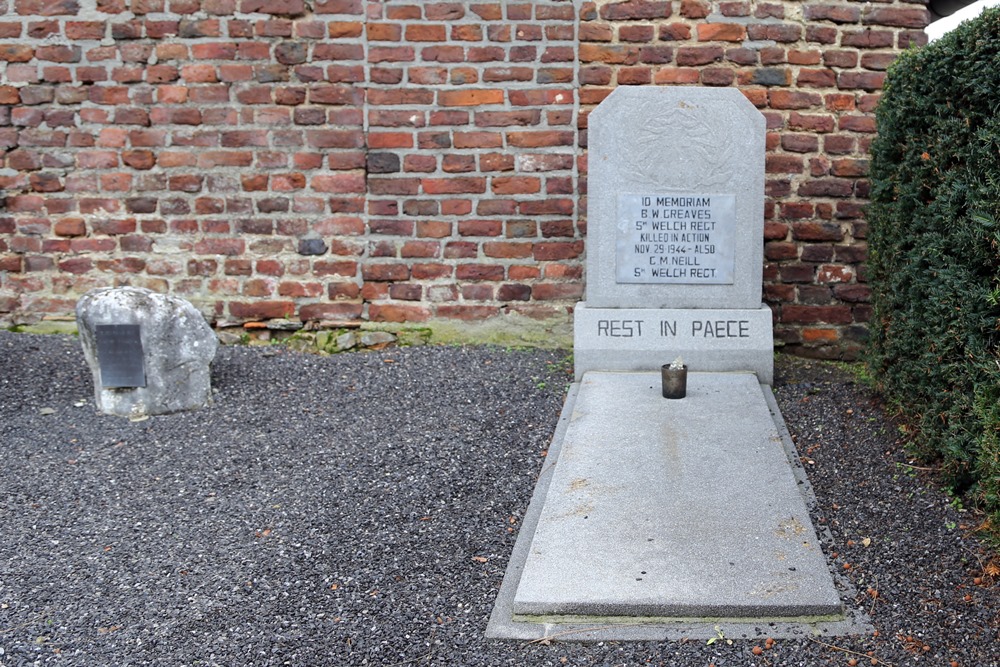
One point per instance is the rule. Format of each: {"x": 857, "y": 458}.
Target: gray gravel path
{"x": 360, "y": 509}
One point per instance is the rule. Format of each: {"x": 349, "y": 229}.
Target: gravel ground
{"x": 360, "y": 510}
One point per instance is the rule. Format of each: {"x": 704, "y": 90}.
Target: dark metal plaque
{"x": 119, "y": 354}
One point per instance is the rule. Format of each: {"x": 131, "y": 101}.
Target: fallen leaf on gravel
{"x": 867, "y": 541}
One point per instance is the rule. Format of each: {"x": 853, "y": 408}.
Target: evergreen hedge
{"x": 934, "y": 252}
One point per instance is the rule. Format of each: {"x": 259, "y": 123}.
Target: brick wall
{"x": 344, "y": 160}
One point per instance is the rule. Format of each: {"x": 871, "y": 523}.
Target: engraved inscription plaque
{"x": 680, "y": 238}
{"x": 119, "y": 355}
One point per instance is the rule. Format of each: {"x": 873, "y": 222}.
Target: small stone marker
{"x": 149, "y": 353}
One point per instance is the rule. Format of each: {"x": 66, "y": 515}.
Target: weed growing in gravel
{"x": 858, "y": 370}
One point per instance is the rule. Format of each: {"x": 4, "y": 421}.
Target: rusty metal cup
{"x": 674, "y": 381}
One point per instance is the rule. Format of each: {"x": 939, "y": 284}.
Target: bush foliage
{"x": 934, "y": 251}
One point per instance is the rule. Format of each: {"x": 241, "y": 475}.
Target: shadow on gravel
{"x": 360, "y": 509}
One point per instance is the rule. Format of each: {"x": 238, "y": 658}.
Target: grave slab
{"x": 660, "y": 509}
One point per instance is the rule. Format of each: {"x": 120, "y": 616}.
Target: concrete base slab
{"x": 656, "y": 519}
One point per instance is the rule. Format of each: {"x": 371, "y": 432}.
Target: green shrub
{"x": 934, "y": 251}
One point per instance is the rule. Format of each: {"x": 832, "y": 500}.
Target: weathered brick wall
{"x": 403, "y": 161}
{"x": 329, "y": 160}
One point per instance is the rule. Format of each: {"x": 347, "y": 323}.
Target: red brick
{"x": 467, "y": 33}
{"x": 862, "y": 80}
{"x": 796, "y": 314}
{"x": 384, "y": 32}
{"x": 509, "y": 185}
{"x": 443, "y": 54}
{"x": 408, "y": 12}
{"x": 453, "y": 185}
{"x": 783, "y": 164}
{"x": 514, "y": 292}
{"x": 804, "y": 57}
{"x": 816, "y": 78}
{"x": 834, "y": 273}
{"x": 721, "y": 32}
{"x": 777, "y": 251}
{"x": 898, "y": 17}
{"x": 521, "y": 117}
{"x": 817, "y": 231}
{"x": 470, "y": 97}
{"x": 791, "y": 99}
{"x": 837, "y": 13}
{"x": 444, "y": 11}
{"x": 480, "y": 227}
{"x": 396, "y": 312}
{"x": 488, "y": 272}
{"x": 433, "y": 32}
{"x": 811, "y": 122}
{"x": 342, "y": 310}
{"x": 557, "y": 250}
{"x": 557, "y": 291}
{"x": 495, "y": 162}
{"x": 877, "y": 60}
{"x": 385, "y": 272}
{"x": 541, "y": 138}
{"x": 818, "y": 335}
{"x": 617, "y": 54}
{"x": 695, "y": 56}
{"x": 262, "y": 310}
{"x": 857, "y": 123}
{"x": 801, "y": 210}
{"x": 717, "y": 76}
{"x": 668, "y": 76}
{"x": 635, "y": 9}
{"x": 852, "y": 293}
{"x": 478, "y": 292}
{"x": 507, "y": 250}
{"x": 423, "y": 271}
{"x": 345, "y": 268}
{"x": 868, "y": 39}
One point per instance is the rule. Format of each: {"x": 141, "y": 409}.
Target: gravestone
{"x": 656, "y": 509}
{"x": 675, "y": 233}
{"x": 149, "y": 353}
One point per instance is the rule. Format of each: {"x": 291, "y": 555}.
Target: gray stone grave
{"x": 675, "y": 233}
{"x": 149, "y": 353}
{"x": 671, "y": 514}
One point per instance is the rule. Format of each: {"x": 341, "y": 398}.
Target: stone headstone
{"x": 675, "y": 233}
{"x": 671, "y": 509}
{"x": 149, "y": 353}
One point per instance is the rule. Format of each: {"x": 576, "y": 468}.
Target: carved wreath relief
{"x": 679, "y": 149}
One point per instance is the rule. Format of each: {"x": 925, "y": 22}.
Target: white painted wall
{"x": 948, "y": 23}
